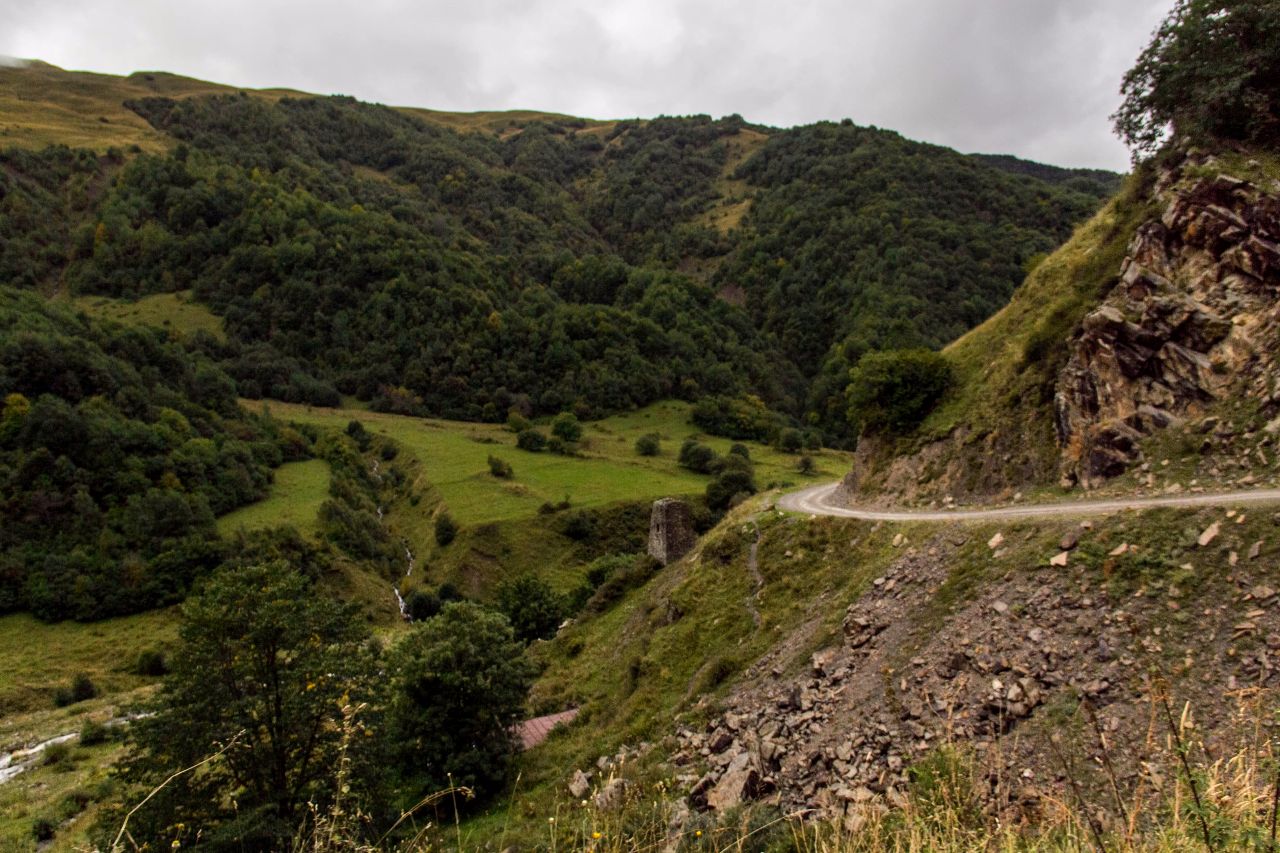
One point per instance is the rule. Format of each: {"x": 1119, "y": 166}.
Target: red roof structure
{"x": 535, "y": 731}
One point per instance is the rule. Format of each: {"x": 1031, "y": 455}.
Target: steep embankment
{"x": 825, "y": 667}
{"x": 1145, "y": 341}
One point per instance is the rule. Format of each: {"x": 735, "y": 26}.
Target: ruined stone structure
{"x": 671, "y": 533}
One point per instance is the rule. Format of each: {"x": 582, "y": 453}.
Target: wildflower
{"x": 551, "y": 820}
{"x": 698, "y": 834}
{"x": 596, "y": 836}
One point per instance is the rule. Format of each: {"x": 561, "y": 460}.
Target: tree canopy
{"x": 1211, "y": 70}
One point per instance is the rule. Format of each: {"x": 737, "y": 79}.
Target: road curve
{"x": 816, "y": 500}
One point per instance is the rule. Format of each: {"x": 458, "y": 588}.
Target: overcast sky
{"x": 1036, "y": 78}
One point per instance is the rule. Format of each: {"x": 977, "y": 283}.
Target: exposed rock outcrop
{"x": 1195, "y": 318}
{"x": 671, "y": 534}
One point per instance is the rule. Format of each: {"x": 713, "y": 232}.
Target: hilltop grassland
{"x": 42, "y": 104}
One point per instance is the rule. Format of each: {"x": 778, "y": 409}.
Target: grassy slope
{"x": 1001, "y": 402}
{"x": 176, "y": 312}
{"x": 503, "y": 535}
{"x": 38, "y": 658}
{"x": 666, "y": 652}
{"x": 297, "y": 490}
{"x": 454, "y": 459}
{"x": 41, "y": 104}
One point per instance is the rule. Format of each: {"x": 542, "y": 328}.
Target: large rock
{"x": 1192, "y": 320}
{"x": 671, "y": 533}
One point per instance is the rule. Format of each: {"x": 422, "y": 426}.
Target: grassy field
{"x": 296, "y": 494}
{"x": 454, "y": 460}
{"x": 176, "y": 312}
{"x": 39, "y": 657}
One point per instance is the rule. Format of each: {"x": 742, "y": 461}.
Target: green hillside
{"x": 457, "y": 266}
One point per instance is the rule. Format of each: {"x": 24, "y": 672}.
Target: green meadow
{"x": 454, "y": 455}
{"x": 297, "y": 490}
{"x": 174, "y": 312}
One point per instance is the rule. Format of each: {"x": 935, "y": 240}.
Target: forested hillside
{"x": 357, "y": 249}
{"x": 117, "y": 450}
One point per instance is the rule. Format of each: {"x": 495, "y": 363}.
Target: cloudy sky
{"x": 1036, "y": 78}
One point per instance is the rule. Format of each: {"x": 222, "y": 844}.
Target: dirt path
{"x": 817, "y": 500}
{"x": 757, "y": 579}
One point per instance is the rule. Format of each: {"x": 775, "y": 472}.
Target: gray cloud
{"x": 1036, "y": 78}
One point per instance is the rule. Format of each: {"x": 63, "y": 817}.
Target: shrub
{"x": 806, "y": 466}
{"x": 735, "y": 417}
{"x": 517, "y": 422}
{"x": 892, "y": 391}
{"x": 556, "y": 444}
{"x": 696, "y": 456}
{"x": 500, "y": 468}
{"x": 531, "y": 440}
{"x": 532, "y": 607}
{"x": 458, "y": 688}
{"x": 567, "y": 427}
{"x": 82, "y": 688}
{"x": 648, "y": 445}
{"x": 151, "y": 662}
{"x": 740, "y": 450}
{"x": 579, "y": 526}
{"x": 93, "y": 733}
{"x": 446, "y": 529}
{"x": 790, "y": 440}
{"x": 359, "y": 434}
{"x": 422, "y": 604}
{"x": 55, "y": 754}
{"x": 727, "y": 485}
{"x": 43, "y": 828}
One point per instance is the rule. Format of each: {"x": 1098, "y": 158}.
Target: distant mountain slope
{"x": 534, "y": 260}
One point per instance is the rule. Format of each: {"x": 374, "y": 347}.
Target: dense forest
{"x": 355, "y": 249}
{"x": 118, "y": 448}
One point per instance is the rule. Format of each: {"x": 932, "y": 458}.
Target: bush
{"x": 500, "y": 468}
{"x": 55, "y": 754}
{"x": 82, "y": 688}
{"x": 151, "y": 662}
{"x": 648, "y": 445}
{"x": 805, "y": 465}
{"x": 892, "y": 391}
{"x": 458, "y": 688}
{"x": 790, "y": 441}
{"x": 446, "y": 529}
{"x": 44, "y": 828}
{"x": 556, "y": 444}
{"x": 422, "y": 604}
{"x": 567, "y": 427}
{"x": 92, "y": 733}
{"x": 735, "y": 417}
{"x": 740, "y": 450}
{"x": 579, "y": 526}
{"x": 359, "y": 434}
{"x": 517, "y": 422}
{"x": 728, "y": 485}
{"x": 531, "y": 440}
{"x": 697, "y": 456}
{"x": 532, "y": 607}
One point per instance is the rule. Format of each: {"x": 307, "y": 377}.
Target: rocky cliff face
{"x": 1194, "y": 319}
